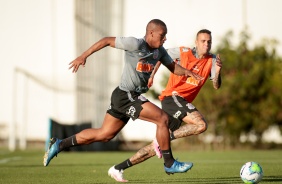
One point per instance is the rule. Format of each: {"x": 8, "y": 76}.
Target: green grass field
{"x": 210, "y": 167}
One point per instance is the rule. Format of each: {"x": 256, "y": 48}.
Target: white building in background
{"x": 44, "y": 36}
{"x": 37, "y": 43}
{"x": 40, "y": 37}
{"x": 95, "y": 83}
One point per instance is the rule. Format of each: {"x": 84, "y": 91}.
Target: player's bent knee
{"x": 203, "y": 126}
{"x": 163, "y": 120}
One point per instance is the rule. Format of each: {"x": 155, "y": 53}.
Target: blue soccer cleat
{"x": 178, "y": 167}
{"x": 52, "y": 151}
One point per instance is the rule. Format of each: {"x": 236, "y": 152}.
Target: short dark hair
{"x": 204, "y": 31}
{"x": 157, "y": 22}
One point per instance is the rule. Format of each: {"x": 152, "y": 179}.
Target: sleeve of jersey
{"x": 127, "y": 43}
{"x": 165, "y": 59}
{"x": 212, "y": 75}
{"x": 174, "y": 53}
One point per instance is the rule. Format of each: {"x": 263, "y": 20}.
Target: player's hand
{"x": 150, "y": 82}
{"x": 74, "y": 65}
{"x": 189, "y": 73}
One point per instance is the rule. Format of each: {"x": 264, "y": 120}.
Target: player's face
{"x": 158, "y": 37}
{"x": 203, "y": 43}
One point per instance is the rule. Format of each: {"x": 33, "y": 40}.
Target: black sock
{"x": 124, "y": 165}
{"x": 171, "y": 136}
{"x": 168, "y": 158}
{"x": 68, "y": 142}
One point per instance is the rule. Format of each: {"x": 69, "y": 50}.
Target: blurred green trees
{"x": 250, "y": 98}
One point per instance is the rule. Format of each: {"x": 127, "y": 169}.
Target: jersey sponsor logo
{"x": 190, "y": 106}
{"x": 143, "y": 66}
{"x": 192, "y": 81}
{"x": 177, "y": 114}
{"x": 131, "y": 111}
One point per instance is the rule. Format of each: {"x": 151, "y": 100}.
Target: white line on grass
{"x": 6, "y": 160}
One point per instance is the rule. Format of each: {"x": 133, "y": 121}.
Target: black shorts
{"x": 176, "y": 107}
{"x": 126, "y": 105}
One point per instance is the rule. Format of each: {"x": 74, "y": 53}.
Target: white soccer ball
{"x": 251, "y": 173}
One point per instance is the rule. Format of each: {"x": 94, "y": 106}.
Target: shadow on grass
{"x": 55, "y": 165}
{"x": 223, "y": 180}
{"x": 273, "y": 179}
{"x": 233, "y": 180}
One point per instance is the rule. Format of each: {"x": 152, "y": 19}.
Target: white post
{"x": 22, "y": 138}
{"x": 12, "y": 127}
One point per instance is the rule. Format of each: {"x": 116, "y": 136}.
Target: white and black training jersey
{"x": 139, "y": 63}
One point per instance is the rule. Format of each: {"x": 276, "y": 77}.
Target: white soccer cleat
{"x": 157, "y": 148}
{"x": 116, "y": 174}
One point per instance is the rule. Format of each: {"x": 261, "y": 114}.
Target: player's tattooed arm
{"x": 217, "y": 81}
{"x": 217, "y": 78}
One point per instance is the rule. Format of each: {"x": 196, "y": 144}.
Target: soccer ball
{"x": 251, "y": 173}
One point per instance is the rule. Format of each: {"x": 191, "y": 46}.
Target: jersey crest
{"x": 156, "y": 54}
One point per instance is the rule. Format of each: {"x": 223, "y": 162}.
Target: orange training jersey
{"x": 188, "y": 88}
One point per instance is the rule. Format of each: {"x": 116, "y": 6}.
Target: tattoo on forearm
{"x": 217, "y": 81}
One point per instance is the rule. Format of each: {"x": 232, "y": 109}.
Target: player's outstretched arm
{"x": 81, "y": 60}
{"x": 179, "y": 70}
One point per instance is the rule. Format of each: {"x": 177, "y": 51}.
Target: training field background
{"x": 40, "y": 39}
{"x": 210, "y": 167}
